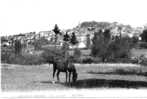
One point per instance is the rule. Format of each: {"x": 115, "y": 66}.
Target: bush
{"x": 144, "y": 63}
{"x": 127, "y": 72}
{"x": 87, "y": 60}
{"x": 143, "y": 45}
{"x": 120, "y": 60}
{"x": 9, "y": 56}
{"x": 143, "y": 60}
{"x": 77, "y": 60}
{"x": 120, "y": 48}
{"x": 77, "y": 53}
{"x": 97, "y": 60}
{"x": 51, "y": 55}
{"x": 25, "y": 59}
{"x": 6, "y": 53}
{"x": 32, "y": 60}
{"x": 144, "y": 35}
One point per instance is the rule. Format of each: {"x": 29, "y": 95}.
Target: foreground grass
{"x": 39, "y": 77}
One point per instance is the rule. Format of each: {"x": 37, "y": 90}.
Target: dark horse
{"x": 65, "y": 66}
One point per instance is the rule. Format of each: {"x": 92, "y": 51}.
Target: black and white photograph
{"x": 73, "y": 48}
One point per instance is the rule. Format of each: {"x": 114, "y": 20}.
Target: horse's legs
{"x": 69, "y": 76}
{"x": 58, "y": 75}
{"x": 66, "y": 76}
{"x": 54, "y": 71}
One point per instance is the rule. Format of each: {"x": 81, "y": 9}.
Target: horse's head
{"x": 74, "y": 77}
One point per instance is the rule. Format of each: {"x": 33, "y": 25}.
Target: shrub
{"x": 31, "y": 59}
{"x": 18, "y": 47}
{"x": 120, "y": 48}
{"x": 38, "y": 43}
{"x": 6, "y": 54}
{"x": 143, "y": 60}
{"x": 77, "y": 60}
{"x": 120, "y": 60}
{"x": 87, "y": 60}
{"x": 9, "y": 56}
{"x": 26, "y": 59}
{"x": 88, "y": 41}
{"x": 77, "y": 53}
{"x": 97, "y": 60}
{"x": 126, "y": 72}
{"x": 143, "y": 45}
{"x": 50, "y": 55}
{"x": 144, "y": 35}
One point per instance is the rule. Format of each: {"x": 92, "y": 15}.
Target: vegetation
{"x": 56, "y": 31}
{"x": 88, "y": 41}
{"x": 100, "y": 45}
{"x": 73, "y": 39}
{"x": 66, "y": 37}
{"x": 50, "y": 55}
{"x": 65, "y": 48}
{"x": 77, "y": 53}
{"x": 39, "y": 42}
{"x": 106, "y": 48}
{"x": 29, "y": 59}
{"x": 5, "y": 54}
{"x": 95, "y": 24}
{"x": 144, "y": 36}
{"x": 18, "y": 47}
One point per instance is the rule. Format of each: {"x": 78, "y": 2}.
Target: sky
{"x": 21, "y": 16}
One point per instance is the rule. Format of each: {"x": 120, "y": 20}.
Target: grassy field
{"x": 138, "y": 52}
{"x": 39, "y": 77}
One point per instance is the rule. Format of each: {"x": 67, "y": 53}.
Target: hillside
{"x": 89, "y": 27}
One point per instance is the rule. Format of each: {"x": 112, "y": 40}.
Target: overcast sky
{"x": 20, "y": 16}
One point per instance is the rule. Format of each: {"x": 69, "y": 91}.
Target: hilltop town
{"x": 78, "y": 40}
{"x": 81, "y": 31}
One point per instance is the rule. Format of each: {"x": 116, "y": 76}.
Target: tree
{"x": 144, "y": 35}
{"x": 107, "y": 35}
{"x": 100, "y": 45}
{"x": 3, "y": 39}
{"x": 66, "y": 37}
{"x": 88, "y": 41}
{"x": 57, "y": 31}
{"x": 18, "y": 47}
{"x": 73, "y": 39}
{"x": 105, "y": 48}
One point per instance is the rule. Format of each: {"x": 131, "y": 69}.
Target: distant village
{"x": 81, "y": 31}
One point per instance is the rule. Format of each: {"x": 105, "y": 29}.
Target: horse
{"x": 72, "y": 69}
{"x": 66, "y": 67}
